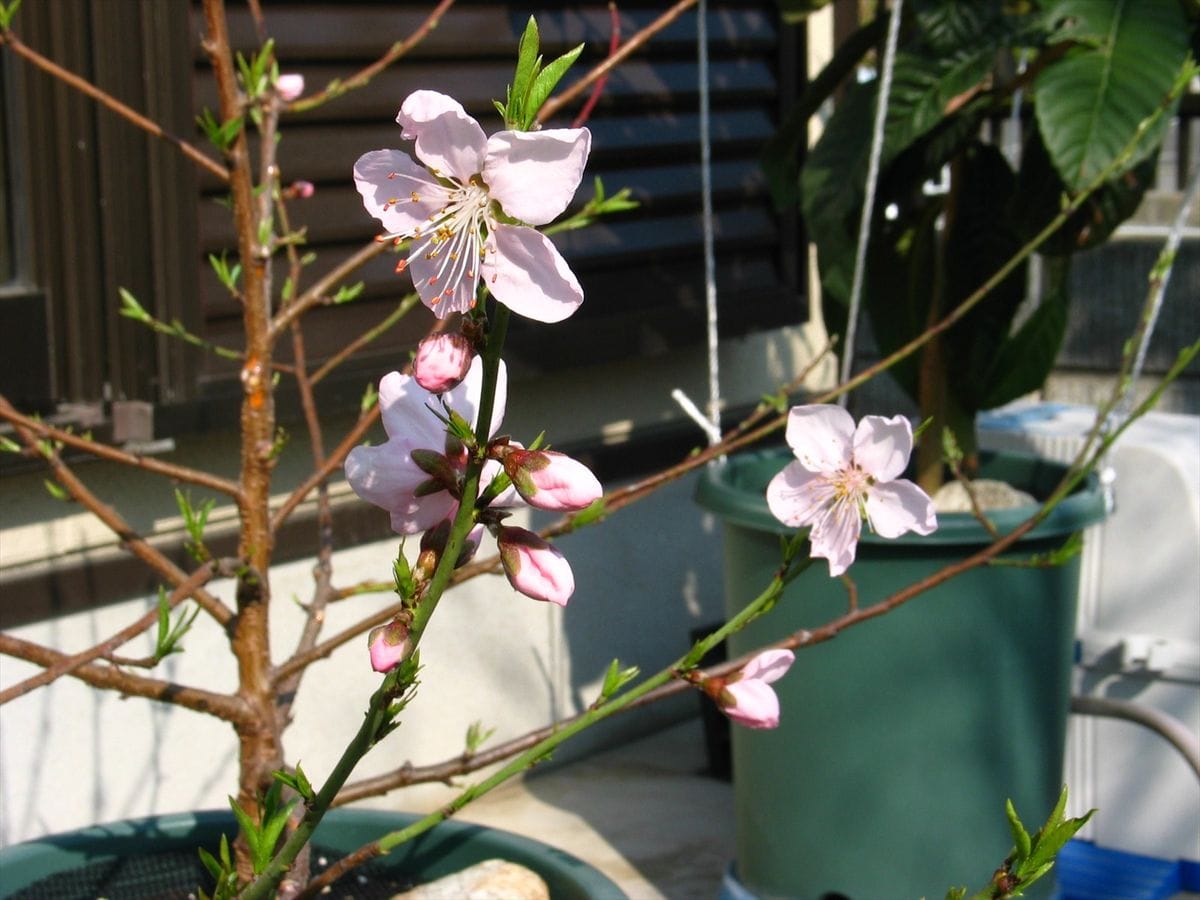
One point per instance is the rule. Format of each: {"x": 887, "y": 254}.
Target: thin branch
{"x": 104, "y": 650}
{"x": 133, "y": 542}
{"x": 614, "y": 44}
{"x": 318, "y": 293}
{"x": 108, "y": 100}
{"x": 554, "y": 104}
{"x": 104, "y": 451}
{"x": 403, "y": 308}
{"x": 223, "y": 706}
{"x": 335, "y": 459}
{"x": 364, "y": 76}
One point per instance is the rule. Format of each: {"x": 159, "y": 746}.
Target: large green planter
{"x": 902, "y": 738}
{"x": 130, "y": 859}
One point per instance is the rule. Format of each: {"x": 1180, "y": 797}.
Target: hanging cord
{"x": 710, "y": 425}
{"x": 864, "y": 224}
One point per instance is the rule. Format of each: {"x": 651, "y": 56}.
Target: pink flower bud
{"x": 442, "y": 361}
{"x": 289, "y": 86}
{"x": 301, "y": 190}
{"x": 534, "y": 567}
{"x": 550, "y": 480}
{"x": 389, "y": 644}
{"x": 746, "y": 697}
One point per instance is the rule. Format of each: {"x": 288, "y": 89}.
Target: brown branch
{"x": 335, "y": 459}
{"x": 364, "y": 76}
{"x": 319, "y": 291}
{"x": 105, "y": 649}
{"x": 132, "y": 541}
{"x": 108, "y": 100}
{"x": 554, "y": 104}
{"x": 223, "y": 706}
{"x": 614, "y": 43}
{"x": 403, "y": 308}
{"x": 105, "y": 451}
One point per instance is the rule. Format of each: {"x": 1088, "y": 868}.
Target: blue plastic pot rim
{"x": 735, "y": 491}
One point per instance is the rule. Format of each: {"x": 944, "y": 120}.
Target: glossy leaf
{"x": 1123, "y": 60}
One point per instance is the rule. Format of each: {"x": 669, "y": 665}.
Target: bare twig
{"x": 105, "y": 451}
{"x": 364, "y": 76}
{"x": 223, "y": 706}
{"x": 554, "y": 104}
{"x": 133, "y": 542}
{"x": 105, "y": 649}
{"x": 403, "y": 308}
{"x": 614, "y": 43}
{"x": 109, "y": 101}
{"x": 318, "y": 293}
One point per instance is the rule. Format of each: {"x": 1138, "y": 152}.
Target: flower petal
{"x": 388, "y": 181}
{"x": 446, "y": 273}
{"x": 386, "y": 476}
{"x": 448, "y": 140}
{"x": 525, "y": 273}
{"x": 754, "y": 704}
{"x": 534, "y": 174}
{"x": 900, "y": 506}
{"x": 768, "y": 666}
{"x": 820, "y": 436}
{"x": 406, "y": 414}
{"x": 797, "y": 496}
{"x": 882, "y": 446}
{"x": 464, "y": 399}
{"x": 835, "y": 537}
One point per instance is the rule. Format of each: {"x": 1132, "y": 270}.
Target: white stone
{"x": 492, "y": 879}
{"x": 952, "y": 497}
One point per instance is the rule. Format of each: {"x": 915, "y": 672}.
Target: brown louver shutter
{"x": 642, "y": 271}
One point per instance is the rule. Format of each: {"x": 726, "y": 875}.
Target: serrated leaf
{"x": 1021, "y": 840}
{"x": 1124, "y": 59}
{"x": 546, "y": 81}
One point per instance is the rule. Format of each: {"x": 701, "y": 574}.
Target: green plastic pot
{"x": 902, "y": 738}
{"x": 139, "y": 857}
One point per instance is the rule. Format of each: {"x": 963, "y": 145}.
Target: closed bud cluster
{"x": 550, "y": 480}
{"x": 534, "y": 566}
{"x": 388, "y": 644}
{"x": 442, "y": 361}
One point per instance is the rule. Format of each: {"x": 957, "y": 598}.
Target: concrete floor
{"x": 644, "y": 814}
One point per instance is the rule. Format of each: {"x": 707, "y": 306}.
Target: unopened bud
{"x": 442, "y": 361}
{"x": 289, "y": 86}
{"x": 552, "y": 481}
{"x": 389, "y": 644}
{"x": 534, "y": 567}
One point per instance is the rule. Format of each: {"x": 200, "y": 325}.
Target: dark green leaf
{"x": 1124, "y": 59}
{"x": 1025, "y": 359}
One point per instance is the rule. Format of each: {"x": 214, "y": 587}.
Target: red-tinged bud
{"x": 552, "y": 481}
{"x": 289, "y": 86}
{"x": 389, "y": 644}
{"x": 442, "y": 361}
{"x": 746, "y": 696}
{"x": 534, "y": 567}
{"x": 299, "y": 190}
{"x": 434, "y": 541}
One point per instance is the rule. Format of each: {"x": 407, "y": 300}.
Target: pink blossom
{"x": 389, "y": 644}
{"x": 451, "y": 209}
{"x": 442, "y": 361}
{"x": 535, "y": 567}
{"x": 844, "y": 474}
{"x": 396, "y": 475}
{"x": 289, "y": 86}
{"x": 747, "y": 696}
{"x": 550, "y": 480}
{"x": 301, "y": 189}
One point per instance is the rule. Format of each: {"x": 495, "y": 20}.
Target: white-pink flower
{"x": 391, "y": 476}
{"x": 451, "y": 207}
{"x": 534, "y": 566}
{"x": 747, "y": 697}
{"x": 844, "y": 474}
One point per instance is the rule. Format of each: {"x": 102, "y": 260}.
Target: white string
{"x": 710, "y": 265}
{"x": 864, "y": 224}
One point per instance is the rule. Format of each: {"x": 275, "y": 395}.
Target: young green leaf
{"x": 545, "y": 82}
{"x": 55, "y": 490}
{"x": 348, "y": 292}
{"x": 1021, "y": 839}
{"x": 528, "y": 62}
{"x": 477, "y": 735}
{"x": 7, "y": 11}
